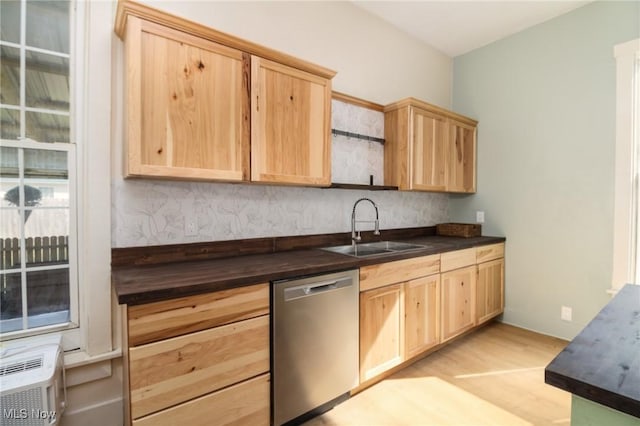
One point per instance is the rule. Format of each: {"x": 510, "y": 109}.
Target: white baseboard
{"x": 107, "y": 413}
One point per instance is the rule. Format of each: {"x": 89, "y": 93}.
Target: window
{"x": 626, "y": 243}
{"x": 635, "y": 143}
{"x": 38, "y": 271}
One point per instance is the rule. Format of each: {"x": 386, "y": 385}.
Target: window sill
{"x": 80, "y": 358}
{"x": 80, "y": 367}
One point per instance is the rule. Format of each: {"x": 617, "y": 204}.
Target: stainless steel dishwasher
{"x": 314, "y": 344}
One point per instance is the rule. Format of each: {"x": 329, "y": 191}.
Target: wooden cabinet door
{"x": 422, "y": 314}
{"x": 461, "y": 176}
{"x": 290, "y": 125}
{"x": 458, "y": 301}
{"x": 490, "y": 290}
{"x": 187, "y": 106}
{"x": 381, "y": 330}
{"x": 429, "y": 153}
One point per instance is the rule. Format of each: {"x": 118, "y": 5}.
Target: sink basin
{"x": 374, "y": 249}
{"x": 394, "y": 245}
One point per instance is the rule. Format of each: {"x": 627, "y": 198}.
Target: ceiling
{"x": 457, "y": 27}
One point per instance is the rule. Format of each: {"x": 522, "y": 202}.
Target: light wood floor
{"x": 494, "y": 376}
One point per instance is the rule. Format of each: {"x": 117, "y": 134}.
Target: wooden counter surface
{"x": 137, "y": 283}
{"x": 602, "y": 364}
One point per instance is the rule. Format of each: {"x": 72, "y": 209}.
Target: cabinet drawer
{"x": 159, "y": 320}
{"x": 172, "y": 371}
{"x": 246, "y": 403}
{"x": 374, "y": 276}
{"x": 457, "y": 259}
{"x": 486, "y": 253}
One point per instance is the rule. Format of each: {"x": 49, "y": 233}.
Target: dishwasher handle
{"x": 315, "y": 288}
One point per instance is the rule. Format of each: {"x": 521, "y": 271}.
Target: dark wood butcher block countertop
{"x": 602, "y": 364}
{"x": 145, "y": 274}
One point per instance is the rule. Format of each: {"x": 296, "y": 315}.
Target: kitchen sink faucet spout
{"x": 355, "y": 235}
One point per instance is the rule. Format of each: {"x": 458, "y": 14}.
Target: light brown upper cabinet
{"x": 428, "y": 148}
{"x": 462, "y": 156}
{"x": 187, "y": 106}
{"x": 204, "y": 105}
{"x": 290, "y": 125}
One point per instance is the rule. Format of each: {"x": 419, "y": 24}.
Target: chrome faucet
{"x": 355, "y": 235}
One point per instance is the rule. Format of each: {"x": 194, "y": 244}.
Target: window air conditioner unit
{"x": 32, "y": 389}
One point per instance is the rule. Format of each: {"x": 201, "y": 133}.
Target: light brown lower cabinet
{"x": 211, "y": 365}
{"x": 176, "y": 370}
{"x": 381, "y": 330}
{"x": 246, "y": 403}
{"x": 422, "y": 313}
{"x": 399, "y": 314}
{"x": 490, "y": 290}
{"x": 458, "y": 301}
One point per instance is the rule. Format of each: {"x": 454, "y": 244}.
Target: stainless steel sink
{"x": 374, "y": 249}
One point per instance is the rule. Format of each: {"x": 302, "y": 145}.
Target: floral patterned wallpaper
{"x": 153, "y": 212}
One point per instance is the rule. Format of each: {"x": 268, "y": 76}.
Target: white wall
{"x": 545, "y": 100}
{"x": 374, "y": 60}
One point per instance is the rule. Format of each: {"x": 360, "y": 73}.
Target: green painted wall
{"x": 545, "y": 100}
{"x": 588, "y": 413}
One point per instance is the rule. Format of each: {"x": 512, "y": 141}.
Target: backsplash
{"x": 354, "y": 160}
{"x": 154, "y": 212}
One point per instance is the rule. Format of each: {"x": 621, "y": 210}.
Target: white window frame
{"x": 72, "y": 334}
{"x": 69, "y": 330}
{"x": 94, "y": 185}
{"x": 627, "y": 165}
{"x": 92, "y": 38}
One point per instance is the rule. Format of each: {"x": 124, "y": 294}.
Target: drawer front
{"x": 172, "y": 371}
{"x": 486, "y": 253}
{"x": 374, "y": 276}
{"x": 246, "y": 403}
{"x": 457, "y": 259}
{"x": 160, "y": 320}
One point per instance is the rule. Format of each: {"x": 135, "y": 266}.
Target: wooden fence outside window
{"x": 40, "y": 251}
{"x": 48, "y": 289}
